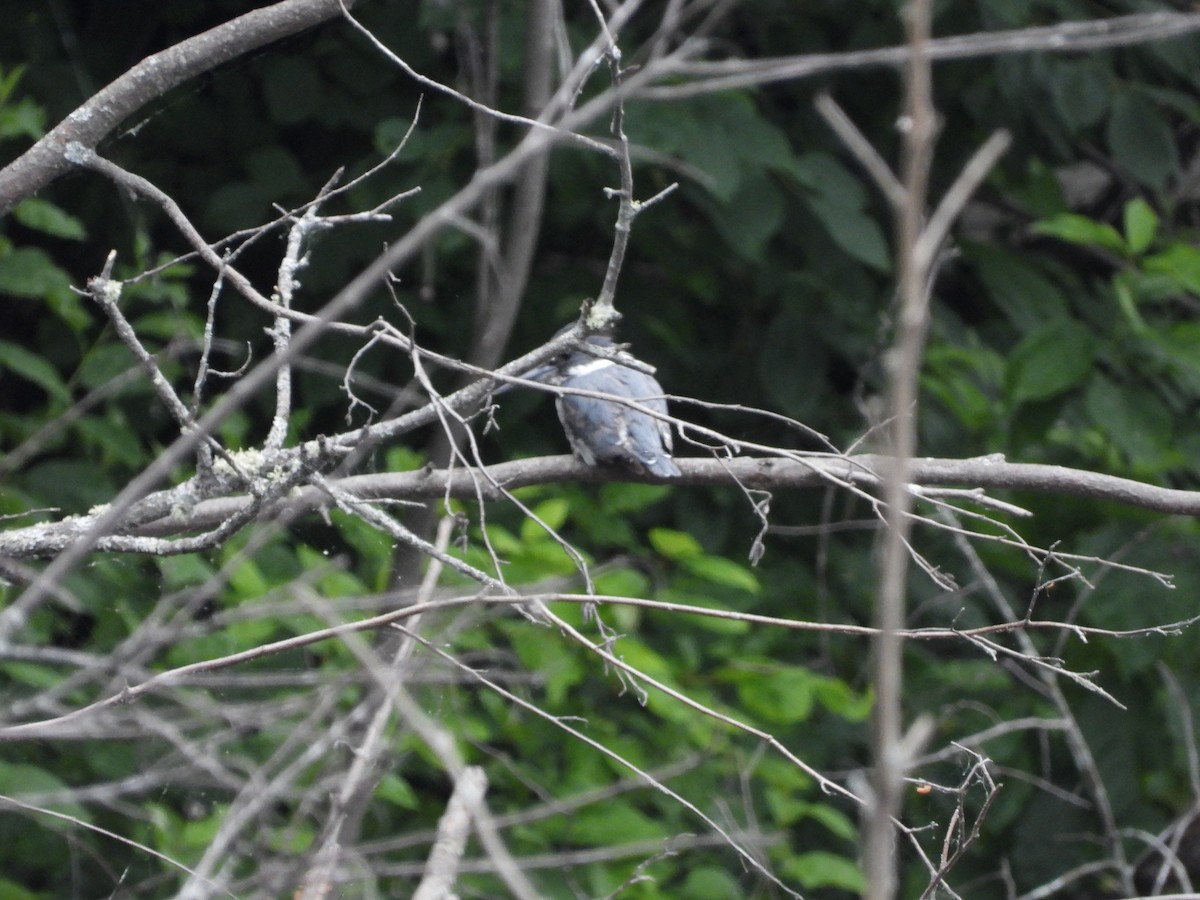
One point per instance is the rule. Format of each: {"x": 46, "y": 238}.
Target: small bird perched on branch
{"x": 607, "y": 432}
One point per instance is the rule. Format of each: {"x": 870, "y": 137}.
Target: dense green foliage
{"x": 1064, "y": 330}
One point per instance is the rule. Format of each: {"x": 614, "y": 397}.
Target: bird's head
{"x": 570, "y": 361}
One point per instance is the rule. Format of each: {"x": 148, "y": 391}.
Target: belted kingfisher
{"x": 603, "y": 431}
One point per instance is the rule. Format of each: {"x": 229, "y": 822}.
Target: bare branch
{"x": 863, "y": 151}
{"x": 1067, "y": 37}
{"x": 454, "y": 827}
{"x": 919, "y": 125}
{"x": 150, "y": 79}
{"x": 76, "y": 822}
{"x": 35, "y": 541}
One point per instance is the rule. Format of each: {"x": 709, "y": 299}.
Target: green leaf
{"x": 42, "y": 215}
{"x": 237, "y": 204}
{"x": 398, "y": 792}
{"x": 1080, "y": 92}
{"x": 774, "y": 693}
{"x": 853, "y": 230}
{"x": 403, "y": 459}
{"x": 1039, "y": 190}
{"x": 818, "y": 869}
{"x": 680, "y": 128}
{"x": 1081, "y": 230}
{"x": 687, "y": 594}
{"x": 69, "y": 308}
{"x": 822, "y": 173}
{"x": 103, "y": 363}
{"x": 10, "y": 890}
{"x": 330, "y": 580}
{"x": 29, "y": 272}
{"x": 1179, "y": 261}
{"x": 32, "y": 367}
{"x": 837, "y": 199}
{"x": 759, "y": 142}
{"x": 842, "y": 700}
{"x": 1026, "y": 295}
{"x": 185, "y": 570}
{"x": 533, "y": 561}
{"x": 115, "y": 439}
{"x": 720, "y": 570}
{"x": 611, "y": 823}
{"x": 373, "y": 546}
{"x": 1180, "y": 344}
{"x": 1128, "y": 304}
{"x": 197, "y": 833}
{"x": 724, "y": 136}
{"x": 675, "y": 545}
{"x": 275, "y": 171}
{"x": 42, "y": 677}
{"x": 389, "y": 133}
{"x": 247, "y": 633}
{"x": 248, "y": 580}
{"x": 751, "y": 217}
{"x": 22, "y": 119}
{"x": 710, "y": 883}
{"x": 559, "y": 671}
{"x": 9, "y": 82}
{"x": 1135, "y": 421}
{"x": 837, "y": 822}
{"x": 797, "y": 391}
{"x": 966, "y": 380}
{"x": 647, "y": 660}
{"x": 21, "y": 778}
{"x": 1053, "y": 359}
{"x": 73, "y": 484}
{"x": 292, "y": 89}
{"x": 622, "y": 583}
{"x": 621, "y": 499}
{"x": 1141, "y": 140}
{"x": 553, "y": 513}
{"x": 1141, "y": 224}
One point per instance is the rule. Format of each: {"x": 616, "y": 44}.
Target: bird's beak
{"x": 541, "y": 373}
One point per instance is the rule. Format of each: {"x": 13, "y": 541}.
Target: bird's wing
{"x": 646, "y": 390}
{"x": 648, "y": 431}
{"x": 595, "y": 428}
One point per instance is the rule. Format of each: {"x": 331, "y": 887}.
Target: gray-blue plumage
{"x": 605, "y": 432}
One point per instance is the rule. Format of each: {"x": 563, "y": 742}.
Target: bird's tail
{"x": 662, "y": 466}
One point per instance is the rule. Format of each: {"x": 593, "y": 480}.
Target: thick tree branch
{"x": 981, "y": 472}
{"x": 454, "y": 827}
{"x": 891, "y": 752}
{"x": 150, "y": 79}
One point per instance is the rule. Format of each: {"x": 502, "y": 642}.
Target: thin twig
{"x": 863, "y": 150}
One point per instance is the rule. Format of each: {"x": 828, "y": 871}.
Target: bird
{"x": 607, "y": 432}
